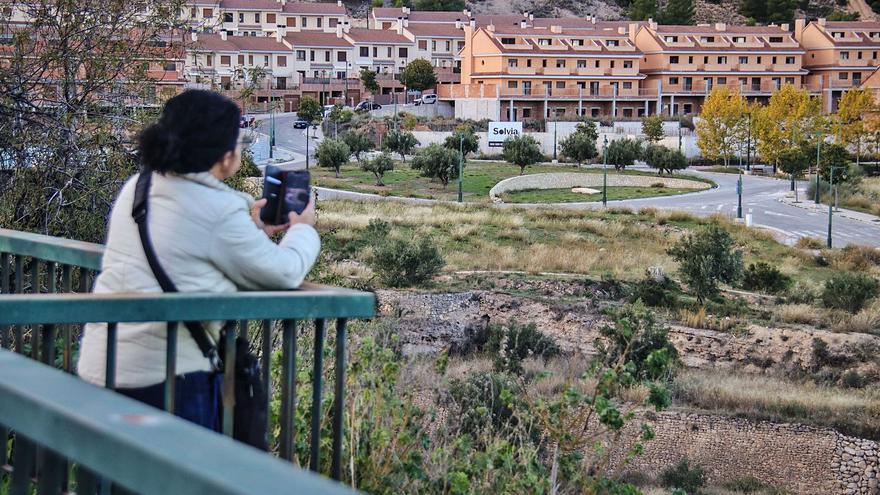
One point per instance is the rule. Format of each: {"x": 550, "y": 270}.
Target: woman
{"x": 207, "y": 237}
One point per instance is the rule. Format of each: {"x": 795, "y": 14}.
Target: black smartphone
{"x": 284, "y": 192}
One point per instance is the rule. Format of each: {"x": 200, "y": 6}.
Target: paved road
{"x": 761, "y": 199}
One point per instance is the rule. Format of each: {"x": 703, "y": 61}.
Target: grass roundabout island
{"x": 481, "y": 177}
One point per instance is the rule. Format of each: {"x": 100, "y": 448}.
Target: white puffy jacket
{"x": 206, "y": 241}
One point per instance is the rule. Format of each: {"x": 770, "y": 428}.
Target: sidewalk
{"x": 809, "y": 204}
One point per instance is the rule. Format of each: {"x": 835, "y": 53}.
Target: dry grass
{"x": 797, "y": 313}
{"x": 809, "y": 243}
{"x": 865, "y": 321}
{"x": 699, "y": 319}
{"x": 855, "y": 412}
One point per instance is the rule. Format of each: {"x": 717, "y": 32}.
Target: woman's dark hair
{"x": 195, "y": 130}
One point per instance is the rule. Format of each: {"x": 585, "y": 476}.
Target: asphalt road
{"x": 761, "y": 200}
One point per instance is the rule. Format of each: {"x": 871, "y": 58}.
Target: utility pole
{"x": 460, "y": 166}
{"x": 554, "y": 137}
{"x": 605, "y": 171}
{"x": 749, "y": 144}
{"x": 830, "y": 201}
{"x": 679, "y": 132}
{"x": 818, "y": 146}
{"x": 307, "y": 144}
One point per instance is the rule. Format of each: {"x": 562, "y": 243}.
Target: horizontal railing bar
{"x": 136, "y": 445}
{"x": 310, "y": 302}
{"x": 56, "y": 249}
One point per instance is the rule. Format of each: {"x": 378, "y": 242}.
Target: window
{"x": 671, "y": 39}
{"x": 375, "y": 52}
{"x": 627, "y": 85}
{"x": 341, "y": 56}
{"x": 301, "y": 55}
{"x": 282, "y": 61}
{"x": 512, "y": 62}
{"x": 170, "y": 66}
{"x": 311, "y": 55}
{"x": 448, "y": 45}
{"x": 722, "y": 60}
{"x": 304, "y": 21}
{"x": 627, "y": 64}
{"x": 320, "y": 21}
{"x": 596, "y": 64}
{"x": 744, "y": 60}
{"x": 789, "y": 60}
{"x": 270, "y": 18}
{"x": 560, "y": 64}
{"x": 241, "y": 17}
{"x": 837, "y": 34}
{"x": 544, "y": 42}
{"x": 627, "y": 113}
{"x": 365, "y": 51}
{"x": 224, "y": 60}
{"x": 707, "y": 39}
{"x": 207, "y": 13}
{"x": 874, "y": 55}
{"x": 789, "y": 80}
{"x": 461, "y": 45}
{"x": 250, "y": 60}
{"x": 673, "y": 81}
{"x": 423, "y": 44}
{"x": 544, "y": 63}
{"x": 612, "y": 43}
{"x": 581, "y": 64}
{"x": 527, "y": 113}
{"x": 843, "y": 76}
{"x": 528, "y": 62}
{"x": 859, "y": 55}
{"x": 875, "y": 34}
{"x": 705, "y": 60}
{"x": 508, "y": 41}
{"x": 722, "y": 80}
{"x": 388, "y": 50}
{"x": 773, "y": 60}
{"x": 265, "y": 60}
{"x": 333, "y": 22}
{"x": 844, "y": 55}
{"x": 560, "y": 84}
{"x": 512, "y": 84}
{"x": 291, "y": 22}
{"x": 673, "y": 59}
{"x": 192, "y": 13}
{"x": 611, "y": 64}
{"x": 327, "y": 56}
{"x": 577, "y": 42}
{"x": 227, "y": 17}
{"x": 241, "y": 60}
{"x": 690, "y": 59}
{"x": 739, "y": 39}
{"x": 776, "y": 39}
{"x": 257, "y": 18}
{"x": 688, "y": 108}
{"x": 402, "y": 52}
{"x": 759, "y": 60}
{"x": 209, "y": 60}
{"x": 433, "y": 45}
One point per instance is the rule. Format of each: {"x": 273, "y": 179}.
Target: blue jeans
{"x": 197, "y": 397}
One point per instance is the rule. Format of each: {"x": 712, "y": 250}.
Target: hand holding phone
{"x": 284, "y": 192}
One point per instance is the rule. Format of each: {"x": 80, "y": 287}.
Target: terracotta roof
{"x": 258, "y": 43}
{"x": 315, "y": 39}
{"x": 437, "y": 16}
{"x": 313, "y": 8}
{"x": 545, "y": 32}
{"x": 421, "y": 30}
{"x": 214, "y": 43}
{"x": 361, "y": 35}
{"x": 260, "y": 5}
{"x": 852, "y": 25}
{"x": 728, "y": 29}
{"x": 387, "y": 12}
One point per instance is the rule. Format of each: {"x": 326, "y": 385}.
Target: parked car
{"x": 300, "y": 123}
{"x": 368, "y": 105}
{"x": 328, "y": 109}
{"x": 426, "y": 100}
{"x": 246, "y": 121}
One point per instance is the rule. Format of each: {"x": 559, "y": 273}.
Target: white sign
{"x": 500, "y": 131}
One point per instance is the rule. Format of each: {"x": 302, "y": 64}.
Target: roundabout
{"x": 568, "y": 187}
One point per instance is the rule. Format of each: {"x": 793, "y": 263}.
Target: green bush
{"x": 662, "y": 294}
{"x": 849, "y": 291}
{"x": 512, "y": 342}
{"x": 750, "y": 485}
{"x": 765, "y": 278}
{"x": 801, "y": 293}
{"x": 684, "y": 476}
{"x": 405, "y": 263}
{"x": 707, "y": 258}
{"x": 483, "y": 400}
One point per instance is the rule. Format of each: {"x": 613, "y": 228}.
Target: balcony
{"x": 521, "y": 70}
{"x": 591, "y": 71}
{"x": 555, "y": 71}
{"x": 65, "y": 429}
{"x": 752, "y": 67}
{"x": 716, "y": 68}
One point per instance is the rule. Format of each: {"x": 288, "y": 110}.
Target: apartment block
{"x": 551, "y": 71}
{"x": 839, "y": 55}
{"x": 683, "y": 63}
{"x": 265, "y": 17}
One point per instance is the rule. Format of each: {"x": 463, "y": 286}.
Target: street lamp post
{"x": 830, "y": 200}
{"x": 308, "y": 125}
{"x": 739, "y": 193}
{"x": 749, "y": 143}
{"x": 323, "y": 88}
{"x": 554, "y": 137}
{"x": 605, "y": 171}
{"x": 460, "y": 166}
{"x": 818, "y": 146}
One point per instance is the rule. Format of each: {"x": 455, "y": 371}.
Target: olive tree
{"x": 358, "y": 143}
{"x": 522, "y": 151}
{"x": 332, "y": 153}
{"x": 437, "y": 162}
{"x": 664, "y": 159}
{"x": 579, "y": 146}
{"x": 623, "y": 152}
{"x": 378, "y": 166}
{"x": 400, "y": 142}
{"x": 465, "y": 138}
{"x": 706, "y": 259}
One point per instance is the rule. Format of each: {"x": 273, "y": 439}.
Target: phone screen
{"x": 297, "y": 191}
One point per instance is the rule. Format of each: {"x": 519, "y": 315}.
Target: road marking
{"x": 703, "y": 207}
{"x": 775, "y": 214}
{"x": 719, "y": 207}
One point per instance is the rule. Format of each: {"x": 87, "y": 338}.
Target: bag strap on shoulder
{"x": 139, "y": 212}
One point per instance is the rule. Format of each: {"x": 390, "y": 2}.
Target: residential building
{"x": 323, "y": 65}
{"x": 440, "y": 44}
{"x": 386, "y": 52}
{"x": 838, "y": 55}
{"x": 550, "y": 72}
{"x": 684, "y": 63}
{"x": 265, "y": 17}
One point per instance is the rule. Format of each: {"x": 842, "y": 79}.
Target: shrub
{"x": 405, "y": 263}
{"x": 438, "y": 162}
{"x": 849, "y": 291}
{"x": 853, "y": 379}
{"x": 706, "y": 259}
{"x": 857, "y": 257}
{"x": 749, "y": 485}
{"x": 623, "y": 152}
{"x": 655, "y": 293}
{"x": 512, "y": 342}
{"x": 482, "y": 400}
{"x": 332, "y": 153}
{"x": 765, "y": 278}
{"x": 684, "y": 476}
{"x": 796, "y": 313}
{"x": 522, "y": 151}
{"x": 645, "y": 343}
{"x": 378, "y": 166}
{"x": 664, "y": 159}
{"x": 801, "y": 293}
{"x": 809, "y": 243}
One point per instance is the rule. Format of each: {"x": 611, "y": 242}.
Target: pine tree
{"x": 755, "y": 9}
{"x": 678, "y": 12}
{"x": 642, "y": 10}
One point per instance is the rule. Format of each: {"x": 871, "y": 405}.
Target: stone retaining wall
{"x": 567, "y": 180}
{"x": 800, "y": 459}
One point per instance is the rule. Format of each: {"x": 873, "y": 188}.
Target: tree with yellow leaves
{"x": 851, "y": 126}
{"x": 791, "y": 117}
{"x": 723, "y": 125}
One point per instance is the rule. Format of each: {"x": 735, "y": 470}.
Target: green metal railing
{"x": 37, "y": 303}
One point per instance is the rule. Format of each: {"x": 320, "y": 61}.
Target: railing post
{"x": 110, "y": 367}
{"x": 317, "y": 386}
{"x": 288, "y": 387}
{"x": 266, "y": 376}
{"x": 170, "y": 365}
{"x": 229, "y": 379}
{"x": 338, "y": 400}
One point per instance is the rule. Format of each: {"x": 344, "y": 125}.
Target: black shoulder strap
{"x": 139, "y": 213}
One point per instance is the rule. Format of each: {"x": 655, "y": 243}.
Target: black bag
{"x": 251, "y": 414}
